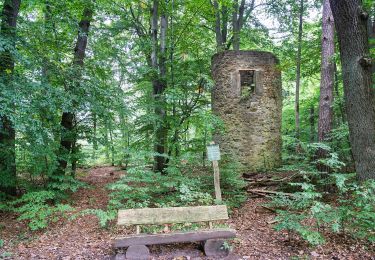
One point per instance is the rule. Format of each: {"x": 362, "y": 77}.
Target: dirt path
{"x": 84, "y": 239}
{"x": 78, "y": 239}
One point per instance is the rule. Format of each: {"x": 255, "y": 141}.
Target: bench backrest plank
{"x": 155, "y": 216}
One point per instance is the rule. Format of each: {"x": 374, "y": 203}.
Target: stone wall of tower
{"x": 251, "y": 114}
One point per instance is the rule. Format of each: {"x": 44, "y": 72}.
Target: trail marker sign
{"x": 213, "y": 152}
{"x": 213, "y": 155}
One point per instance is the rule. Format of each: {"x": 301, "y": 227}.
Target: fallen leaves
{"x": 82, "y": 238}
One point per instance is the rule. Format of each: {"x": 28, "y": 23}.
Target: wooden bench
{"x": 214, "y": 239}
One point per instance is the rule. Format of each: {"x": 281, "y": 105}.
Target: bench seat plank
{"x": 156, "y": 216}
{"x": 175, "y": 237}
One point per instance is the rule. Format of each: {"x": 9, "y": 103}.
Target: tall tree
{"x": 156, "y": 58}
{"x": 240, "y": 13}
{"x": 237, "y": 21}
{"x": 68, "y": 132}
{"x": 298, "y": 69}
{"x": 327, "y": 80}
{"x": 351, "y": 25}
{"x": 159, "y": 85}
{"x": 7, "y": 132}
{"x": 371, "y": 33}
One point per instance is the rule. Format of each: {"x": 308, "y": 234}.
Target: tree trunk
{"x": 68, "y": 132}
{"x": 235, "y": 28}
{"x": 219, "y": 36}
{"x": 372, "y": 37}
{"x": 237, "y": 21}
{"x": 161, "y": 129}
{"x": 106, "y": 140}
{"x": 351, "y": 26}
{"x": 159, "y": 86}
{"x": 337, "y": 92}
{"x": 8, "y": 177}
{"x": 312, "y": 124}
{"x": 94, "y": 138}
{"x": 298, "y": 69}
{"x": 327, "y": 80}
{"x": 111, "y": 143}
{"x": 224, "y": 24}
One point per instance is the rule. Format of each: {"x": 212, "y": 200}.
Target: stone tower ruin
{"x": 247, "y": 97}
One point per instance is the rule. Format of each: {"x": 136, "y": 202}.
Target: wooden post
{"x": 215, "y": 165}
{"x": 213, "y": 154}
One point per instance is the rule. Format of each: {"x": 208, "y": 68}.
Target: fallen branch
{"x": 270, "y": 209}
{"x": 268, "y": 181}
{"x": 270, "y": 192}
{"x": 260, "y": 194}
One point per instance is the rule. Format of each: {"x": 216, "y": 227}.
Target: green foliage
{"x": 65, "y": 183}
{"x": 141, "y": 188}
{"x": 6, "y": 254}
{"x": 115, "y": 118}
{"x": 37, "y": 207}
{"x": 308, "y": 212}
{"x": 231, "y": 182}
{"x": 104, "y": 216}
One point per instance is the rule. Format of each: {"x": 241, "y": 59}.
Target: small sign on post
{"x": 213, "y": 155}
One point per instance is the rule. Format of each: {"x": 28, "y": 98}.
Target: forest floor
{"x": 82, "y": 238}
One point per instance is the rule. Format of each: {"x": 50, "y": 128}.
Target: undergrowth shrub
{"x": 309, "y": 212}
{"x": 231, "y": 182}
{"x": 326, "y": 202}
{"x": 182, "y": 185}
{"x": 323, "y": 202}
{"x": 38, "y": 208}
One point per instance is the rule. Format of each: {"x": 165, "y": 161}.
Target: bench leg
{"x": 216, "y": 247}
{"x": 138, "y": 252}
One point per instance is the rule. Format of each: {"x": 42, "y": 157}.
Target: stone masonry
{"x": 247, "y": 97}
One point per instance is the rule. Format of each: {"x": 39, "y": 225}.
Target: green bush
{"x": 37, "y": 207}
{"x": 104, "y": 216}
{"x": 231, "y": 182}
{"x": 308, "y": 212}
{"x": 181, "y": 186}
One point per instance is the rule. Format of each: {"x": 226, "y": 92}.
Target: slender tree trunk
{"x": 218, "y": 34}
{"x": 75, "y": 149}
{"x": 312, "y": 124}
{"x": 351, "y": 26}
{"x": 298, "y": 69}
{"x": 224, "y": 24}
{"x": 327, "y": 80}
{"x": 235, "y": 26}
{"x": 94, "y": 139}
{"x": 237, "y": 21}
{"x": 372, "y": 37}
{"x": 159, "y": 84}
{"x": 68, "y": 132}
{"x": 125, "y": 137}
{"x": 111, "y": 144}
{"x": 106, "y": 140}
{"x": 8, "y": 177}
